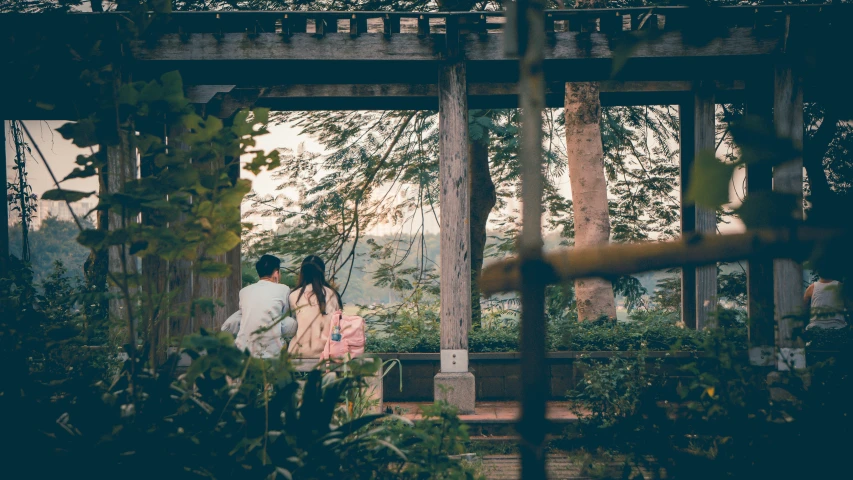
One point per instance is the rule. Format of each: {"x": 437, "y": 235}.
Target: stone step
{"x": 494, "y": 419}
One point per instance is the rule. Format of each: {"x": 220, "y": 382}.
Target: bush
{"x": 646, "y": 330}
{"x": 720, "y": 421}
{"x": 228, "y": 416}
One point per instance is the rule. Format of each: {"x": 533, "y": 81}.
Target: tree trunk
{"x": 483, "y": 199}
{"x": 585, "y": 152}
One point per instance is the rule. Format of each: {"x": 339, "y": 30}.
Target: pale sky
{"x": 61, "y": 154}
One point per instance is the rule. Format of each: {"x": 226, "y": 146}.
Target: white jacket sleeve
{"x": 288, "y": 327}
{"x": 232, "y": 325}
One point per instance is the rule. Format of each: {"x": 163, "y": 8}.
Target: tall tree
{"x": 585, "y": 151}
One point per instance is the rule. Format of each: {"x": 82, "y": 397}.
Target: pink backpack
{"x": 346, "y": 337}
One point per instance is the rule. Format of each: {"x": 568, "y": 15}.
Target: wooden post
{"x": 214, "y": 289}
{"x": 153, "y": 280}
{"x": 4, "y": 209}
{"x": 180, "y": 279}
{"x": 529, "y": 26}
{"x": 706, "y": 220}
{"x": 121, "y": 168}
{"x": 699, "y": 289}
{"x": 454, "y": 383}
{"x": 759, "y": 274}
{"x": 688, "y": 210}
{"x": 788, "y": 178}
{"x": 234, "y": 281}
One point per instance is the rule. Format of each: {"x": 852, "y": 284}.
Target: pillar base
{"x": 457, "y": 389}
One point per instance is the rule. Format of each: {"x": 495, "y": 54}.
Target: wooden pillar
{"x": 121, "y": 168}
{"x": 788, "y": 178}
{"x": 153, "y": 280}
{"x": 4, "y": 209}
{"x": 688, "y": 211}
{"x": 180, "y": 278}
{"x": 213, "y": 288}
{"x": 454, "y": 384}
{"x": 759, "y": 274}
{"x": 234, "y": 281}
{"x": 698, "y": 285}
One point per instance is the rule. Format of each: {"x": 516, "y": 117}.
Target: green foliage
{"x": 716, "y": 416}
{"x": 54, "y": 241}
{"x": 652, "y": 330}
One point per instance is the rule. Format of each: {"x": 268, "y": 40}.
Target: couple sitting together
{"x": 264, "y": 324}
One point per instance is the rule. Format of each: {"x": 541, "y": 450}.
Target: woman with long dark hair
{"x": 313, "y": 302}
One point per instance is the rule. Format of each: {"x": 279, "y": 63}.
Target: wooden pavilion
{"x": 452, "y": 62}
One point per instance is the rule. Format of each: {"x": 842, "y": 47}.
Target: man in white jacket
{"x": 263, "y": 322}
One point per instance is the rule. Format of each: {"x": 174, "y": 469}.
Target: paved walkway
{"x": 489, "y": 412}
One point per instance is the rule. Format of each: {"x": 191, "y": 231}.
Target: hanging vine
{"x": 20, "y": 195}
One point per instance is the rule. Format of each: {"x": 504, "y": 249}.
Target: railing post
{"x": 530, "y": 35}
{"x": 454, "y": 383}
{"x": 788, "y": 178}
{"x": 759, "y": 274}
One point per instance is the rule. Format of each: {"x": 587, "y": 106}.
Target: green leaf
{"x": 262, "y": 115}
{"x": 209, "y": 268}
{"x": 82, "y": 133}
{"x": 709, "y": 181}
{"x": 67, "y": 195}
{"x": 758, "y": 142}
{"x": 770, "y": 210}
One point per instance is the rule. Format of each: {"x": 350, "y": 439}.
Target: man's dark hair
{"x": 266, "y": 265}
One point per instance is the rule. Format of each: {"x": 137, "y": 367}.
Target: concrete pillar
{"x": 454, "y": 383}
{"x": 698, "y": 285}
{"x": 788, "y": 178}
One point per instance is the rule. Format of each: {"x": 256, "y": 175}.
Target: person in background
{"x": 314, "y": 302}
{"x": 261, "y": 325}
{"x": 825, "y": 303}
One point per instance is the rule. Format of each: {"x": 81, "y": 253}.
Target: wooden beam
{"x": 788, "y": 178}
{"x": 614, "y": 260}
{"x": 759, "y": 275}
{"x": 420, "y": 96}
{"x": 454, "y": 199}
{"x": 706, "y": 220}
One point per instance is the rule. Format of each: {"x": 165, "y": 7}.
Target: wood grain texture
{"x": 788, "y": 178}
{"x": 455, "y": 263}
{"x": 375, "y": 47}
{"x": 687, "y": 119}
{"x": 706, "y": 220}
{"x": 4, "y": 209}
{"x": 180, "y": 277}
{"x": 622, "y": 259}
{"x": 215, "y": 289}
{"x": 759, "y": 178}
{"x": 121, "y": 168}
